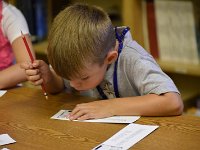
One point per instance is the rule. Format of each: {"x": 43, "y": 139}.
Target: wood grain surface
{"x": 25, "y": 116}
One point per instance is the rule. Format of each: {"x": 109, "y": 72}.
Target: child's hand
{"x": 92, "y": 110}
{"x": 36, "y": 72}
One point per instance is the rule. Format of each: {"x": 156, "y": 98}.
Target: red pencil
{"x": 32, "y": 59}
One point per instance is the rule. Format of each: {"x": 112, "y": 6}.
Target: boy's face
{"x": 93, "y": 75}
{"x": 90, "y": 77}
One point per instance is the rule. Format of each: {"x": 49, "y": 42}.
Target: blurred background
{"x": 168, "y": 29}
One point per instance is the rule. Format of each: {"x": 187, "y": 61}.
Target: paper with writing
{"x": 126, "y": 137}
{"x": 2, "y": 92}
{"x": 62, "y": 115}
{"x": 6, "y": 139}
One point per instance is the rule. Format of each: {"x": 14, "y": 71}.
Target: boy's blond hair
{"x": 80, "y": 34}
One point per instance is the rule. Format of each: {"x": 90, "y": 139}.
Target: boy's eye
{"x": 85, "y": 78}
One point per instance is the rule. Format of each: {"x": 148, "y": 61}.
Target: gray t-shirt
{"x": 137, "y": 73}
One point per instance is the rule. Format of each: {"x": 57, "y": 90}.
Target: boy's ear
{"x": 112, "y": 55}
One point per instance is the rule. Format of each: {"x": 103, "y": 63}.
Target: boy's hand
{"x": 92, "y": 110}
{"x": 36, "y": 72}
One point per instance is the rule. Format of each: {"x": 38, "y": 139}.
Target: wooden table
{"x": 25, "y": 116}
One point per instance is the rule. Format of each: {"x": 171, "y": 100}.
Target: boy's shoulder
{"x": 132, "y": 50}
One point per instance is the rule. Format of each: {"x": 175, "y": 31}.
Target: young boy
{"x": 90, "y": 56}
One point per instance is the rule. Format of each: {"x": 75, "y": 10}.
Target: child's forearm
{"x": 168, "y": 104}
{"x": 11, "y": 76}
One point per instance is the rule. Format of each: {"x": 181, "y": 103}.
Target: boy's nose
{"x": 75, "y": 84}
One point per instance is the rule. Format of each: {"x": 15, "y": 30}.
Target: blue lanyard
{"x": 120, "y": 39}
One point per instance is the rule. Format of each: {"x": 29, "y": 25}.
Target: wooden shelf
{"x": 188, "y": 94}
{"x": 41, "y": 50}
{"x": 41, "y": 47}
{"x": 180, "y": 68}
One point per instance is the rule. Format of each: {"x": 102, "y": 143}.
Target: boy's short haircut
{"x": 80, "y": 35}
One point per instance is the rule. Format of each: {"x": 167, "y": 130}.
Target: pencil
{"x": 32, "y": 59}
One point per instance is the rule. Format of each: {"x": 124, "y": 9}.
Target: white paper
{"x": 6, "y": 139}
{"x": 126, "y": 137}
{"x": 63, "y": 115}
{"x": 2, "y": 92}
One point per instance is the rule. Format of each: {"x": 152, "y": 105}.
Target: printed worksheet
{"x": 6, "y": 139}
{"x": 2, "y": 92}
{"x": 126, "y": 137}
{"x": 63, "y": 115}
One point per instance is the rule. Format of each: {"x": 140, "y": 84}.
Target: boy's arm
{"x": 167, "y": 104}
{"x": 55, "y": 84}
